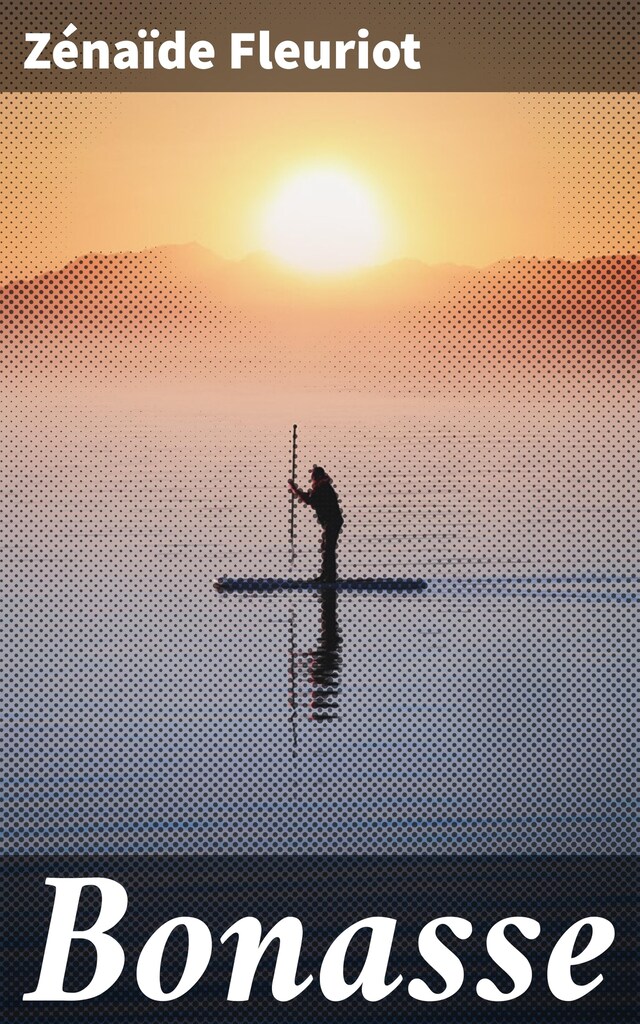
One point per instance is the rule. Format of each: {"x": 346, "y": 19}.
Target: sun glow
{"x": 323, "y": 221}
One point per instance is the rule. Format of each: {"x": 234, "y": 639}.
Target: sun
{"x": 323, "y": 221}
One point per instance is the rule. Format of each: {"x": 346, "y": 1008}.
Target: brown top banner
{"x": 447, "y": 46}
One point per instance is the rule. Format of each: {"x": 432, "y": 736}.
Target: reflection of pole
{"x": 292, "y": 679}
{"x": 292, "y": 520}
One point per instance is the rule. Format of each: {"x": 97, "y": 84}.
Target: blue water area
{"x": 356, "y": 722}
{"x": 471, "y": 689}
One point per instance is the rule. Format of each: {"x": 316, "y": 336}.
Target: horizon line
{"x": 318, "y": 277}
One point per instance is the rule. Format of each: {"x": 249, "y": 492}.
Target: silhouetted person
{"x": 324, "y": 501}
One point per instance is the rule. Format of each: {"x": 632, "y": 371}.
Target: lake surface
{"x": 492, "y": 712}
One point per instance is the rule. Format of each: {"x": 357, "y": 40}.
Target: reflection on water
{"x": 315, "y": 675}
{"x": 325, "y": 663}
{"x": 148, "y": 712}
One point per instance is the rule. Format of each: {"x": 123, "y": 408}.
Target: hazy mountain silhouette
{"x": 184, "y": 310}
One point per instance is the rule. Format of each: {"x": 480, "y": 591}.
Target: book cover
{"x": 319, "y": 492}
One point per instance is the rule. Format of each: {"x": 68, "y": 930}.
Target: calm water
{"x": 492, "y": 712}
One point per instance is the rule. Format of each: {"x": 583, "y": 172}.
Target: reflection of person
{"x": 321, "y": 666}
{"x": 326, "y": 661}
{"x": 324, "y": 501}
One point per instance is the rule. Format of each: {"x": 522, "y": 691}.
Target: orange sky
{"x": 457, "y": 177}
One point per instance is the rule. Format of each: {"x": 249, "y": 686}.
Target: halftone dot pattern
{"x": 550, "y": 322}
{"x": 126, "y": 316}
{"x": 485, "y": 443}
{"x": 328, "y": 894}
{"x": 595, "y": 141}
{"x": 501, "y": 35}
{"x": 38, "y": 136}
{"x": 552, "y": 45}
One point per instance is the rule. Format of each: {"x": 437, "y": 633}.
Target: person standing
{"x": 322, "y": 498}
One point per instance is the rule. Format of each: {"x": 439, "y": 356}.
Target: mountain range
{"x": 184, "y": 310}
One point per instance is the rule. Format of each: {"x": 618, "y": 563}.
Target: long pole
{"x": 292, "y": 620}
{"x": 292, "y": 514}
